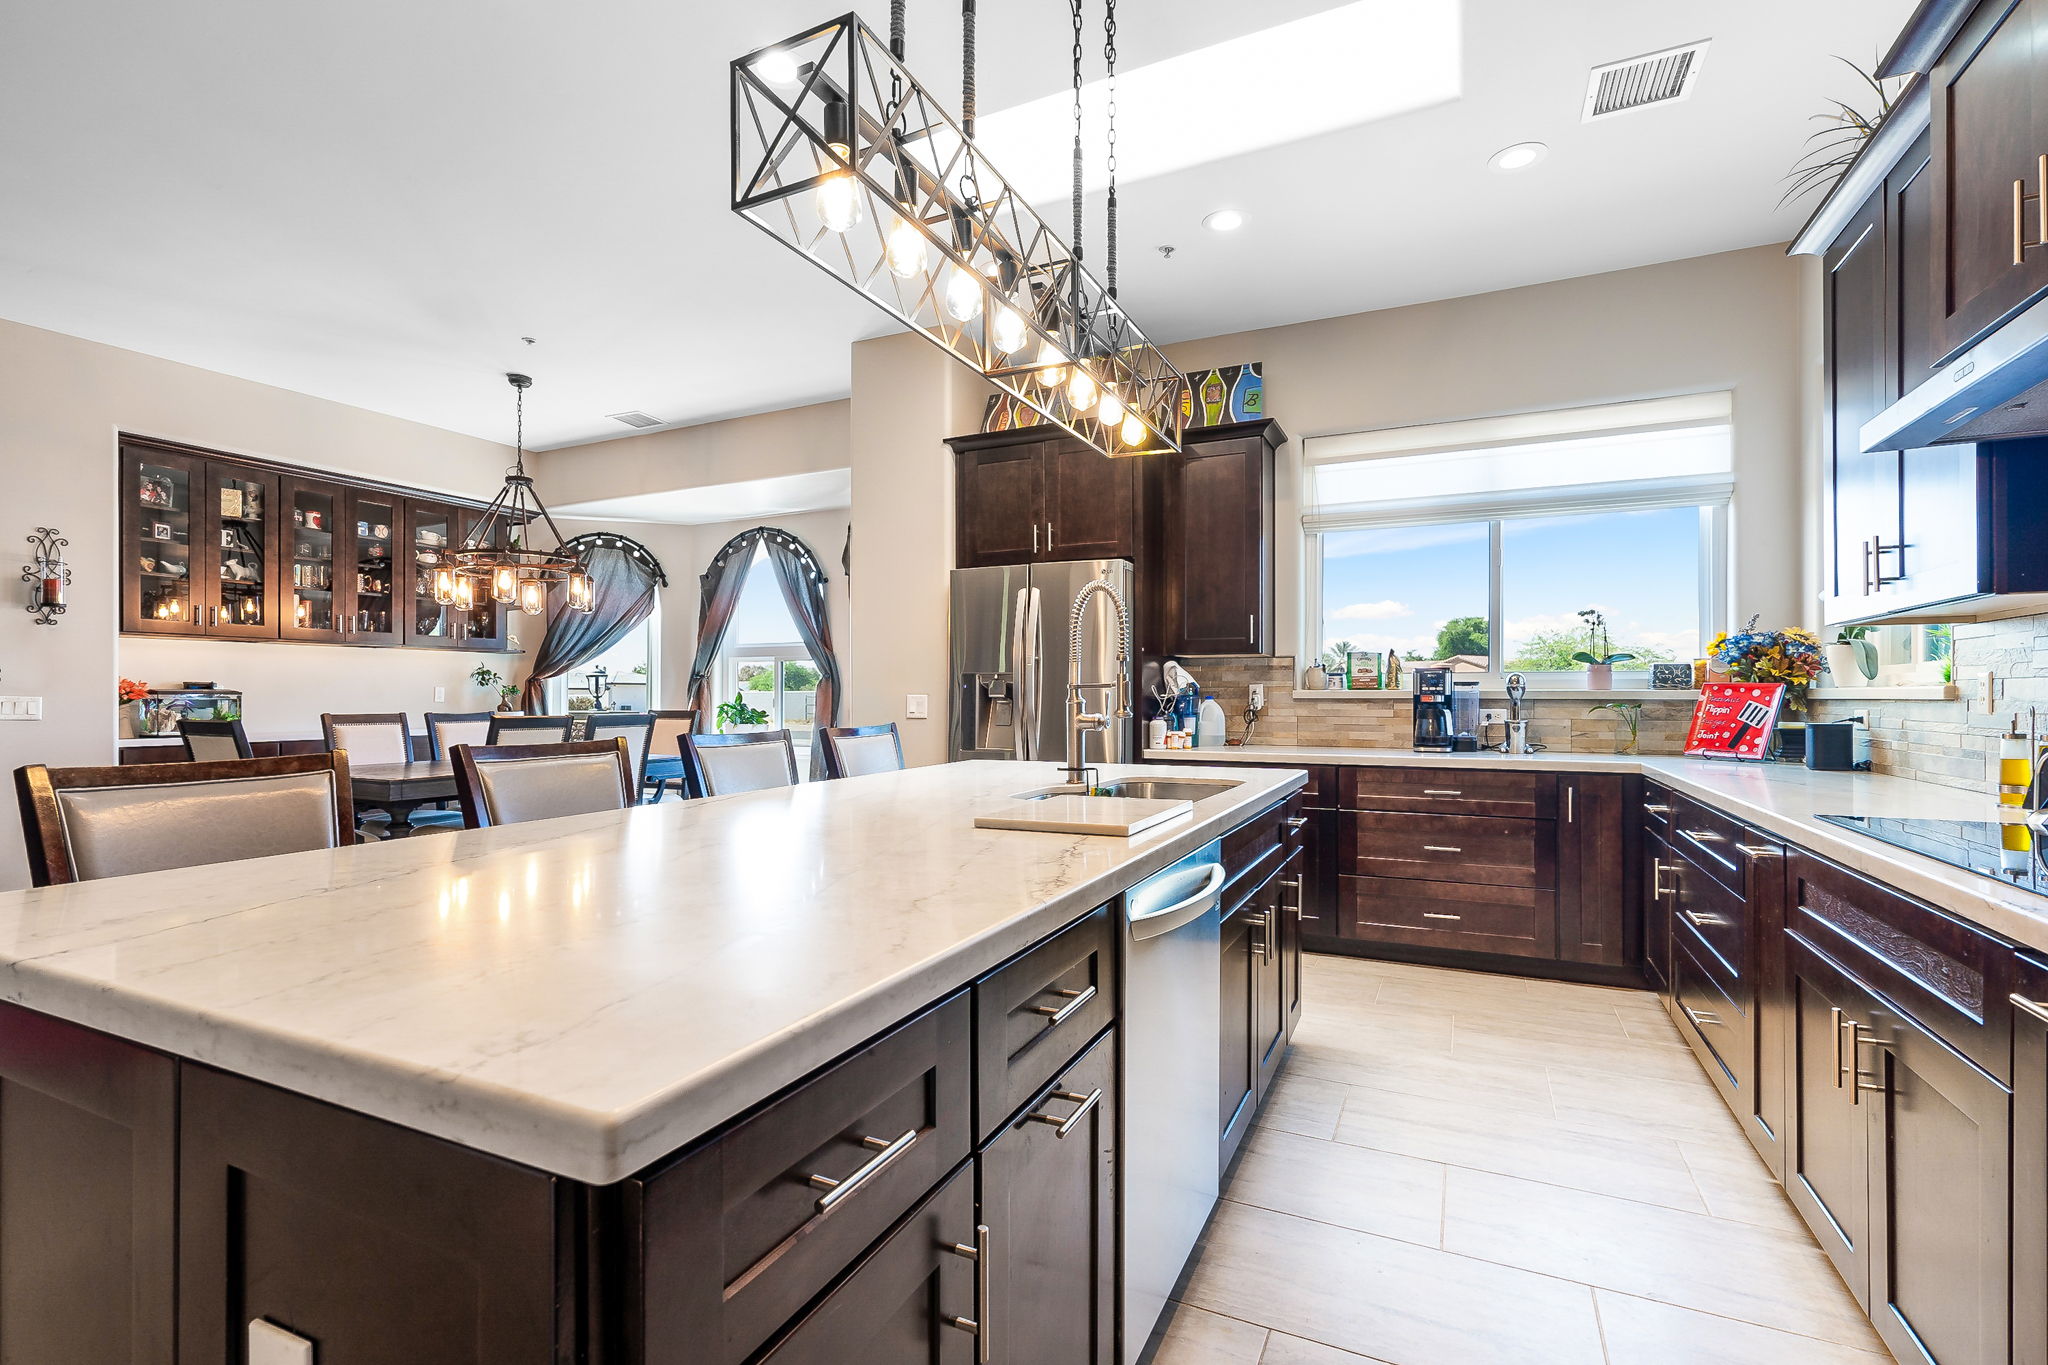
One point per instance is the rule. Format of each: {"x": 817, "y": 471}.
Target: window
{"x": 1907, "y": 656}
{"x": 763, "y": 663}
{"x": 1482, "y": 543}
{"x": 620, "y": 679}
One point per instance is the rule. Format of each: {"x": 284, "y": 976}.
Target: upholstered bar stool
{"x": 722, "y": 765}
{"x": 857, "y": 750}
{"x": 514, "y": 783}
{"x": 86, "y": 823}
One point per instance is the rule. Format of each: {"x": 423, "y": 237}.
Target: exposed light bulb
{"x": 504, "y": 584}
{"x": 839, "y": 199}
{"x": 776, "y": 66}
{"x": 1111, "y": 410}
{"x": 1007, "y": 330}
{"x": 533, "y": 596}
{"x": 465, "y": 592}
{"x": 444, "y": 585}
{"x": 1051, "y": 368}
{"x": 1082, "y": 389}
{"x": 1133, "y": 430}
{"x": 582, "y": 594}
{"x": 907, "y": 253}
{"x": 963, "y": 295}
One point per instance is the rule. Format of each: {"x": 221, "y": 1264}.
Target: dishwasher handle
{"x": 1164, "y": 919}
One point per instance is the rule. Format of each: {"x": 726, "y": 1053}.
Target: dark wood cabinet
{"x": 1864, "y": 506}
{"x": 1237, "y": 988}
{"x": 1028, "y": 497}
{"x": 1215, "y": 572}
{"x": 1594, "y": 895}
{"x": 999, "y": 502}
{"x": 1657, "y": 861}
{"x": 1990, "y": 122}
{"x": 199, "y": 544}
{"x": 1091, "y": 504}
{"x": 1048, "y": 1198}
{"x": 1827, "y": 1143}
{"x": 1270, "y": 978}
{"x": 1032, "y": 1014}
{"x": 2030, "y": 1164}
{"x": 88, "y": 1196}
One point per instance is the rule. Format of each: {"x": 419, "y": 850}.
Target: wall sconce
{"x": 47, "y": 577}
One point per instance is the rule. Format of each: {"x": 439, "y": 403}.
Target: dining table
{"x": 402, "y": 788}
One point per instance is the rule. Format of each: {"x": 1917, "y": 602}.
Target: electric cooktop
{"x": 2012, "y": 854}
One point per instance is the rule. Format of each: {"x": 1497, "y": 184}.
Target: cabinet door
{"x": 374, "y": 530}
{"x": 1595, "y": 923}
{"x": 1863, "y": 489}
{"x": 1217, "y": 553}
{"x": 1658, "y": 864}
{"x": 999, "y": 505}
{"x": 1091, "y": 504}
{"x": 1048, "y": 1197}
{"x": 239, "y": 592}
{"x": 1238, "y": 1083}
{"x": 163, "y": 544}
{"x": 1827, "y": 1139}
{"x": 1291, "y": 908}
{"x": 1989, "y": 136}
{"x": 1940, "y": 1228}
{"x": 2030, "y": 1166}
{"x": 486, "y": 626}
{"x": 310, "y": 527}
{"x": 902, "y": 1300}
{"x": 376, "y": 1243}
{"x": 432, "y": 532}
{"x": 1269, "y": 991}
{"x": 88, "y": 1196}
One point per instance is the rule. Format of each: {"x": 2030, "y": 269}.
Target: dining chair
{"x": 507, "y": 784}
{"x": 369, "y": 737}
{"x": 207, "y": 740}
{"x": 82, "y": 824}
{"x": 722, "y": 765}
{"x": 664, "y": 750}
{"x": 513, "y": 730}
{"x": 446, "y": 729}
{"x": 857, "y": 750}
{"x": 635, "y": 727}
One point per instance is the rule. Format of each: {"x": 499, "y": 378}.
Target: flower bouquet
{"x": 153, "y": 715}
{"x": 1792, "y": 657}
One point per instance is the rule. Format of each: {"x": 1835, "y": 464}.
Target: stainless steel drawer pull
{"x": 1702, "y": 836}
{"x": 1835, "y": 1017}
{"x": 1658, "y": 867}
{"x": 1432, "y": 914}
{"x": 1437, "y": 791}
{"x": 1297, "y": 822}
{"x": 1261, "y": 944}
{"x": 1058, "y": 1014}
{"x": 1762, "y": 850}
{"x": 1066, "y": 1125}
{"x": 1699, "y": 921}
{"x": 977, "y": 1326}
{"x": 1649, "y": 808}
{"x": 886, "y": 1151}
{"x": 2033, "y": 1007}
{"x": 1441, "y": 848}
{"x": 1703, "y": 1018}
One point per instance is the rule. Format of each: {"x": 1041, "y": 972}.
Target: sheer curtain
{"x": 626, "y": 578}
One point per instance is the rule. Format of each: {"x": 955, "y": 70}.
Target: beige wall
{"x": 773, "y": 444}
{"x": 1732, "y": 321}
{"x": 62, "y": 403}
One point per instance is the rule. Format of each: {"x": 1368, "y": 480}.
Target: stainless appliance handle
{"x": 1167, "y": 918}
{"x": 1019, "y": 651}
{"x": 1034, "y": 633}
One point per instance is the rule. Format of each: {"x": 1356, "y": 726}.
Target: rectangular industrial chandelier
{"x": 842, "y": 156}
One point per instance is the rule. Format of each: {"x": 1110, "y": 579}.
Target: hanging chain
{"x": 896, "y": 29}
{"x": 1109, "y": 60}
{"x": 967, "y": 99}
{"x": 519, "y": 406}
{"x": 1075, "y": 5}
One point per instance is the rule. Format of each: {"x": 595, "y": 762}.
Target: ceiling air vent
{"x": 635, "y": 419}
{"x": 1639, "y": 82}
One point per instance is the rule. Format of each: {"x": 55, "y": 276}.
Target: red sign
{"x": 1735, "y": 720}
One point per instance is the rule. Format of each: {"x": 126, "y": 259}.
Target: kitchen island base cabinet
{"x": 88, "y": 1195}
{"x": 2030, "y": 1164}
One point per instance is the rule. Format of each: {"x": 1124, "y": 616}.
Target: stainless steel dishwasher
{"x": 1171, "y": 1024}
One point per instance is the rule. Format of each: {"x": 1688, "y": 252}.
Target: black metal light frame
{"x": 496, "y": 545}
{"x": 908, "y": 161}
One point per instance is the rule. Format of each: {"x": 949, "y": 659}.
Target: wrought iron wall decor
{"x": 497, "y": 556}
{"x": 48, "y": 576}
{"x": 845, "y": 157}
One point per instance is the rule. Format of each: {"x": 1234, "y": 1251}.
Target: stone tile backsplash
{"x": 1350, "y": 721}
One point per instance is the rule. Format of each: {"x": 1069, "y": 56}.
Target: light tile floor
{"x": 1465, "y": 1169}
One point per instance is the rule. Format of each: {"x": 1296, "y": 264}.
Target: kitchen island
{"x": 535, "y": 1092}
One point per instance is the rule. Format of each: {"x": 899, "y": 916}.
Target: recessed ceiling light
{"x": 1224, "y": 220}
{"x": 1519, "y": 157}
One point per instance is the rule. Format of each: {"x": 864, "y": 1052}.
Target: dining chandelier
{"x": 843, "y": 156}
{"x": 497, "y": 558}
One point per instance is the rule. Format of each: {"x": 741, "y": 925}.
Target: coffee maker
{"x": 1435, "y": 730}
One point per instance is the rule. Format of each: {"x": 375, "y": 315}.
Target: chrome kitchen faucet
{"x": 1084, "y": 723}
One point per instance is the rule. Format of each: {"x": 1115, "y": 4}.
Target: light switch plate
{"x": 21, "y": 708}
{"x": 440, "y": 694}
{"x": 270, "y": 1344}
{"x": 917, "y": 706}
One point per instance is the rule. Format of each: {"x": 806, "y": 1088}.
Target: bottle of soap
{"x": 1209, "y": 724}
{"x": 2015, "y": 767}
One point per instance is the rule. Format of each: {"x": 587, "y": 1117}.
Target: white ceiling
{"x": 705, "y": 504}
{"x": 375, "y": 202}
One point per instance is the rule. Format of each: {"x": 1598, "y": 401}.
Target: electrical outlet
{"x": 917, "y": 706}
{"x": 1258, "y": 696}
{"x": 440, "y": 694}
{"x": 1490, "y": 716}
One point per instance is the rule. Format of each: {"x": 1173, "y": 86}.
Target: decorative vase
{"x": 1843, "y": 669}
{"x": 1315, "y": 680}
{"x": 1599, "y": 677}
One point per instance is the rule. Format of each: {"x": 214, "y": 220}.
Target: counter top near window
{"x": 1781, "y": 798}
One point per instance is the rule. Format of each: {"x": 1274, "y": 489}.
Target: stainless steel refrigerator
{"x": 1010, "y": 636}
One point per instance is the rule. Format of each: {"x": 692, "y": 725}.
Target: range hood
{"x": 1996, "y": 389}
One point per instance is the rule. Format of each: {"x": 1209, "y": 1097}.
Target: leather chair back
{"x": 509, "y": 784}
{"x": 207, "y": 741}
{"x": 635, "y": 727}
{"x": 723, "y": 765}
{"x": 446, "y": 729}
{"x": 372, "y": 738}
{"x": 510, "y": 730}
{"x": 857, "y": 750}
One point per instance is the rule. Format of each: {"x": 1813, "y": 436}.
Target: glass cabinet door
{"x": 160, "y": 552}
{"x": 310, "y": 532}
{"x": 483, "y": 625}
{"x": 239, "y": 594}
{"x": 432, "y": 537}
{"x": 372, "y": 534}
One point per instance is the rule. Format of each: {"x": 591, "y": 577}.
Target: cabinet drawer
{"x": 1950, "y": 977}
{"x": 1658, "y": 806}
{"x": 1713, "y": 1018}
{"x": 1451, "y": 791}
{"x": 1454, "y": 848}
{"x": 1709, "y": 917}
{"x": 1515, "y": 921}
{"x": 1723, "y": 848}
{"x": 1321, "y": 791}
{"x": 1253, "y": 849}
{"x": 1032, "y": 1014}
{"x": 742, "y": 1232}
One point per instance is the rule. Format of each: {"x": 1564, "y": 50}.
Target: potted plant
{"x": 1628, "y": 734}
{"x": 486, "y": 676}
{"x": 738, "y": 715}
{"x": 1598, "y": 656}
{"x": 1851, "y": 650}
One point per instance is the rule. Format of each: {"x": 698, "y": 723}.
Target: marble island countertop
{"x": 586, "y": 995}
{"x": 1783, "y": 799}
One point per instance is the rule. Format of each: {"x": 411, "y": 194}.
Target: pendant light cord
{"x": 1075, "y": 6}
{"x": 967, "y": 94}
{"x": 896, "y": 29}
{"x": 1109, "y": 60}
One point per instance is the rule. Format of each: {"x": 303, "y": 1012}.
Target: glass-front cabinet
{"x": 315, "y": 608}
{"x": 435, "y": 530}
{"x": 375, "y": 532}
{"x": 242, "y": 552}
{"x": 199, "y": 545}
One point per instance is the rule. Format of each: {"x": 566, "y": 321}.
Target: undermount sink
{"x": 1141, "y": 789}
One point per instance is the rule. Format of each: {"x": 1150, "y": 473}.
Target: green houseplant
{"x": 1598, "y": 656}
{"x": 1851, "y": 649}
{"x": 486, "y": 676}
{"x": 738, "y": 712}
{"x": 1628, "y": 732}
